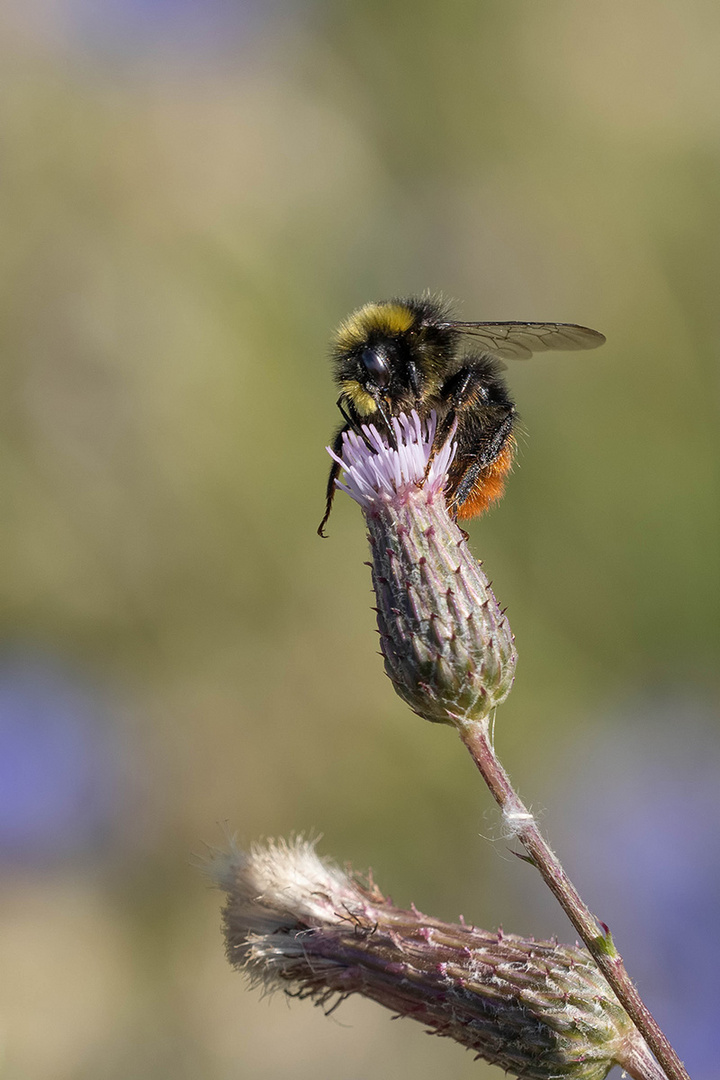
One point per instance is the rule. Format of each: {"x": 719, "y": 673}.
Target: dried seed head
{"x": 540, "y": 1010}
{"x": 448, "y": 647}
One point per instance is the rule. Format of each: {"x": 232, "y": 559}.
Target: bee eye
{"x": 376, "y": 365}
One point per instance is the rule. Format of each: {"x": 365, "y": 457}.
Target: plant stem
{"x": 476, "y": 736}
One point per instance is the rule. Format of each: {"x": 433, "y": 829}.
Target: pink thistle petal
{"x": 377, "y": 472}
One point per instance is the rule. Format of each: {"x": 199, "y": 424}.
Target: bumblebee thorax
{"x": 372, "y": 322}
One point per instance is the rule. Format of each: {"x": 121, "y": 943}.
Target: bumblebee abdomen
{"x": 488, "y": 487}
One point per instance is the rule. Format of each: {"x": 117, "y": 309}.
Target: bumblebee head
{"x": 392, "y": 353}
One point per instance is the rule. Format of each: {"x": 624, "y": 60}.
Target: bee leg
{"x": 464, "y": 389}
{"x": 500, "y": 436}
{"x": 329, "y": 496}
{"x": 350, "y": 423}
{"x": 389, "y": 429}
{"x": 441, "y": 435}
{"x": 490, "y": 453}
{"x": 335, "y": 471}
{"x": 353, "y": 425}
{"x": 458, "y": 392}
{"x": 468, "y": 482}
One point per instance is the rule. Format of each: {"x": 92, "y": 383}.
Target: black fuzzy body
{"x": 405, "y": 354}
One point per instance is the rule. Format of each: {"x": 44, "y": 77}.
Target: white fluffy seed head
{"x": 277, "y": 893}
{"x": 282, "y": 881}
{"x": 539, "y": 1010}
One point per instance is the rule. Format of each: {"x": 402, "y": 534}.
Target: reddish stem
{"x": 475, "y": 734}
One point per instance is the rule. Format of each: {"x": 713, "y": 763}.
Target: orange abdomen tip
{"x": 490, "y": 484}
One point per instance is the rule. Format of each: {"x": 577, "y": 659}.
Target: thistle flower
{"x": 540, "y": 1010}
{"x": 448, "y": 647}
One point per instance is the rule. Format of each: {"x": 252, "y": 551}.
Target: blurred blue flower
{"x": 644, "y": 836}
{"x": 61, "y": 764}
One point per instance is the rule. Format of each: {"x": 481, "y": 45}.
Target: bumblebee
{"x": 398, "y": 355}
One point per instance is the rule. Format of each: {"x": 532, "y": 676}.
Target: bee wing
{"x": 519, "y": 340}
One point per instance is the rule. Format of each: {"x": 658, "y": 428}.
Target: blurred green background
{"x": 192, "y": 196}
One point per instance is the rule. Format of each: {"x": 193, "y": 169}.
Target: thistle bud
{"x": 539, "y": 1010}
{"x": 448, "y": 647}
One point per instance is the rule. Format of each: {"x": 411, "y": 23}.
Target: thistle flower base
{"x": 448, "y": 648}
